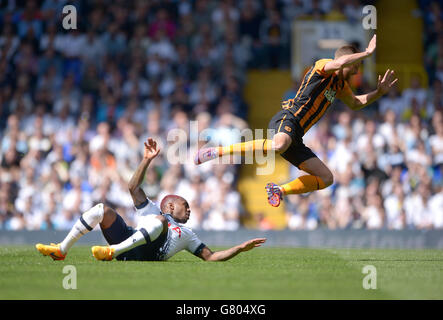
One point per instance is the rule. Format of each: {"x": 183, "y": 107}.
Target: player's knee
{"x": 107, "y": 211}
{"x": 109, "y": 216}
{"x": 279, "y": 147}
{"x": 328, "y": 179}
{"x": 281, "y": 143}
{"x": 98, "y": 211}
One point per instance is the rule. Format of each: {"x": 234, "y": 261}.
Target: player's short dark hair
{"x": 168, "y": 199}
{"x": 348, "y": 49}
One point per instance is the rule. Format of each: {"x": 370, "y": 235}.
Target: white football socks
{"x": 86, "y": 223}
{"x": 150, "y": 230}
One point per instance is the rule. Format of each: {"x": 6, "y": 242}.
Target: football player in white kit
{"x": 160, "y": 232}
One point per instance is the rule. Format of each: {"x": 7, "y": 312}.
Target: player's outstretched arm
{"x": 207, "y": 255}
{"x": 350, "y": 59}
{"x": 383, "y": 86}
{"x": 150, "y": 152}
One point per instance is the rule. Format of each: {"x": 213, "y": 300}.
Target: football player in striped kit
{"x": 326, "y": 80}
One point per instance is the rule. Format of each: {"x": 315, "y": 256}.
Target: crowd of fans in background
{"x": 77, "y": 105}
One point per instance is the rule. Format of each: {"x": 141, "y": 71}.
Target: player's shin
{"x": 84, "y": 224}
{"x": 149, "y": 231}
{"x": 303, "y": 184}
{"x": 244, "y": 147}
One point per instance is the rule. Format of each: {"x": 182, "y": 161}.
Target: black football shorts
{"x": 120, "y": 231}
{"x": 284, "y": 121}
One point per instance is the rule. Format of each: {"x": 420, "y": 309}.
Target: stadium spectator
{"x": 274, "y": 35}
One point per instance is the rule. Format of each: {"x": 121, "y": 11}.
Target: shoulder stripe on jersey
{"x": 281, "y": 122}
{"x": 304, "y": 81}
{"x": 306, "y": 84}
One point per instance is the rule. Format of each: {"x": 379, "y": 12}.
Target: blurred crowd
{"x": 76, "y": 106}
{"x": 432, "y": 13}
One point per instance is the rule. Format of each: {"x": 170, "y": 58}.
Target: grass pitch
{"x": 263, "y": 273}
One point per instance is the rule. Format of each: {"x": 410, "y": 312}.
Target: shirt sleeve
{"x": 319, "y": 66}
{"x": 147, "y": 207}
{"x": 195, "y": 245}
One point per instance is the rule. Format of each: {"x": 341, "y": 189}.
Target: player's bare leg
{"x": 315, "y": 167}
{"x": 319, "y": 178}
{"x": 281, "y": 142}
{"x": 108, "y": 218}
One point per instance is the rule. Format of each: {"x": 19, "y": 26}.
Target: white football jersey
{"x": 146, "y": 208}
{"x": 179, "y": 236}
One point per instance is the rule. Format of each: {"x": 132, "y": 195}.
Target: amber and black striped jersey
{"x": 316, "y": 93}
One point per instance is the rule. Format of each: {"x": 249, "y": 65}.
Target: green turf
{"x": 263, "y": 273}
